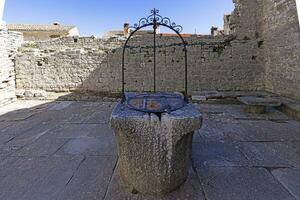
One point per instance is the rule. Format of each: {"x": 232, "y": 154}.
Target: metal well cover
{"x": 155, "y": 102}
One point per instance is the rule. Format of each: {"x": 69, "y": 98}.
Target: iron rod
{"x": 186, "y": 74}
{"x": 154, "y": 58}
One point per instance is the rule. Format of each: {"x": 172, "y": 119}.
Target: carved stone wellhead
{"x": 154, "y": 130}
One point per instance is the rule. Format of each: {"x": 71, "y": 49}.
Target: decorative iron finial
{"x": 156, "y": 18}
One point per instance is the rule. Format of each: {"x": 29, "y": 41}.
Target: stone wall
{"x": 9, "y": 42}
{"x": 88, "y": 64}
{"x": 281, "y": 47}
{"x": 262, "y": 53}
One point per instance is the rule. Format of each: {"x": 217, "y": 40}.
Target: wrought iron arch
{"x": 155, "y": 20}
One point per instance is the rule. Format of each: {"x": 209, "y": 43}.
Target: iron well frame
{"x": 155, "y": 20}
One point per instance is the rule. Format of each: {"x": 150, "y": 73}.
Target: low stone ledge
{"x": 290, "y": 107}
{"x": 257, "y": 105}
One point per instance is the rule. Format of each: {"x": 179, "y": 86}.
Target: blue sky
{"x": 95, "y": 17}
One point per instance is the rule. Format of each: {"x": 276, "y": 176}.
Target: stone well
{"x": 154, "y": 149}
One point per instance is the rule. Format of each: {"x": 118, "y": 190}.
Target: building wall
{"x": 74, "y": 32}
{"x": 281, "y": 46}
{"x": 9, "y": 42}
{"x": 41, "y": 36}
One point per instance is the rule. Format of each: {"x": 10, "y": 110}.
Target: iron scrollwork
{"x": 156, "y": 19}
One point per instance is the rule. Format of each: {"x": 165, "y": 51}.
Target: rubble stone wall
{"x": 87, "y": 64}
{"x": 281, "y": 46}
{"x": 262, "y": 53}
{"x": 9, "y": 42}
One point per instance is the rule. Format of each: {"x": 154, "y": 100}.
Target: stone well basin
{"x": 154, "y": 150}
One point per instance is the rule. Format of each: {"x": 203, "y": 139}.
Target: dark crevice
{"x": 134, "y": 191}
{"x": 280, "y": 121}
{"x": 199, "y": 179}
{"x": 270, "y": 169}
{"x": 158, "y": 115}
{"x": 84, "y": 158}
{"x": 267, "y": 141}
{"x": 61, "y": 146}
{"x": 110, "y": 179}
{"x": 260, "y": 43}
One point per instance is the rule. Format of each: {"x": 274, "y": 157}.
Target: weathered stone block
{"x": 154, "y": 150}
{"x": 257, "y": 105}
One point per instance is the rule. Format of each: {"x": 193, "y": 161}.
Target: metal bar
{"x": 123, "y": 83}
{"x": 186, "y": 74}
{"x": 154, "y": 51}
{"x": 123, "y": 58}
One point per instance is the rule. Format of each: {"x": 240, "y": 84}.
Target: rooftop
{"x": 66, "y": 150}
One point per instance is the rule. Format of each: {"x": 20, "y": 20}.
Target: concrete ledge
{"x": 291, "y": 108}
{"x": 258, "y": 105}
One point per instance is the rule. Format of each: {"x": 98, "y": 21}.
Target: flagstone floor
{"x": 66, "y": 151}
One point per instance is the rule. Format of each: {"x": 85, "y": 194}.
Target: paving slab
{"x": 98, "y": 117}
{"x": 7, "y": 150}
{"x": 5, "y": 124}
{"x": 64, "y": 112}
{"x": 218, "y": 153}
{"x": 261, "y": 101}
{"x": 102, "y": 130}
{"x": 89, "y": 146}
{"x": 77, "y": 112}
{"x": 25, "y": 106}
{"x": 23, "y": 132}
{"x": 43, "y": 146}
{"x": 237, "y": 112}
{"x": 208, "y": 132}
{"x": 296, "y": 146}
{"x": 19, "y": 115}
{"x": 217, "y": 118}
{"x": 295, "y": 125}
{"x": 211, "y": 108}
{"x": 190, "y": 190}
{"x": 236, "y": 183}
{"x": 30, "y": 136}
{"x": 290, "y": 179}
{"x": 47, "y": 156}
{"x": 9, "y": 133}
{"x": 271, "y": 154}
{"x": 101, "y": 113}
{"x": 37, "y": 177}
{"x": 90, "y": 180}
{"x": 271, "y": 114}
{"x": 70, "y": 130}
{"x": 16, "y": 129}
{"x": 261, "y": 130}
{"x": 5, "y": 162}
{"x": 60, "y": 105}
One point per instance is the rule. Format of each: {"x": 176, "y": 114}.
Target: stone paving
{"x": 66, "y": 150}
